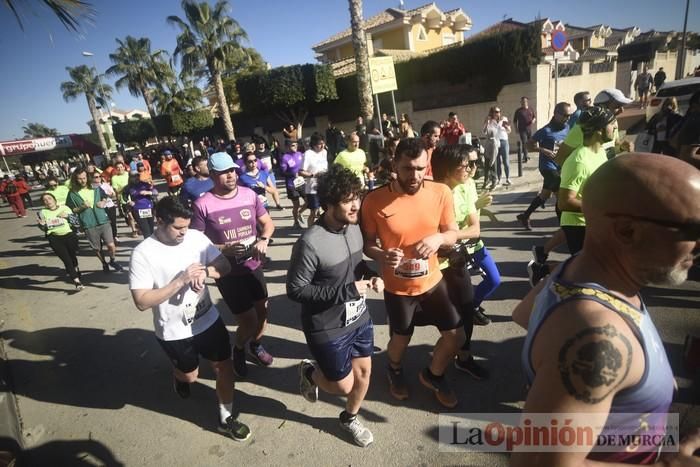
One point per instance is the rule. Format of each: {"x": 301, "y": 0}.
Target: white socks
{"x": 225, "y": 411}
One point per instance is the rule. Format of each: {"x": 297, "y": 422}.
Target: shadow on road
{"x": 78, "y": 453}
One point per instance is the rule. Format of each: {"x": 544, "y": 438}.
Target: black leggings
{"x": 66, "y": 247}
{"x": 432, "y": 307}
{"x": 461, "y": 291}
{"x": 145, "y": 224}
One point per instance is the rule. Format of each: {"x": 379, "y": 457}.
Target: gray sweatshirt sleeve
{"x": 300, "y": 276}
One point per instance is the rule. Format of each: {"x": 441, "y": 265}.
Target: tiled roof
{"x": 386, "y": 16}
{"x": 592, "y": 54}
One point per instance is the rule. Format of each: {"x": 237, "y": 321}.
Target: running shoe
{"x": 235, "y": 429}
{"x": 538, "y": 254}
{"x": 259, "y": 355}
{"x": 182, "y": 389}
{"x": 472, "y": 368}
{"x": 397, "y": 383}
{"x": 78, "y": 286}
{"x": 240, "y": 367}
{"x": 301, "y": 220}
{"x": 440, "y": 387}
{"x": 116, "y": 266}
{"x": 524, "y": 221}
{"x": 105, "y": 267}
{"x": 479, "y": 318}
{"x": 507, "y": 182}
{"x": 360, "y": 433}
{"x": 536, "y": 272}
{"x": 307, "y": 388}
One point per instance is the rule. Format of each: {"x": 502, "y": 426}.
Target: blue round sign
{"x": 559, "y": 40}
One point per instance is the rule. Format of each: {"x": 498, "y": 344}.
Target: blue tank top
{"x": 651, "y": 396}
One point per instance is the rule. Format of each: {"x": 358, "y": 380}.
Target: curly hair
{"x": 336, "y": 185}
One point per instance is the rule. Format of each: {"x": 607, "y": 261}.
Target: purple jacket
{"x": 291, "y": 165}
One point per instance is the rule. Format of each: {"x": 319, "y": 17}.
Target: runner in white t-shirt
{"x": 167, "y": 274}
{"x": 315, "y": 163}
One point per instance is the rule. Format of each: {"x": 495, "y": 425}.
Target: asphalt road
{"x": 94, "y": 388}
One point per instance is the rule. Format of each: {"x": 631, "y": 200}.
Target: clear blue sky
{"x": 33, "y": 62}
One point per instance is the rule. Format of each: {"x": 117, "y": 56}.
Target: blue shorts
{"x": 312, "y": 201}
{"x": 334, "y": 358}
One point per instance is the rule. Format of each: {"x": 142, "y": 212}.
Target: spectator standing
{"x": 452, "y": 129}
{"x": 643, "y": 86}
{"x": 659, "y": 78}
{"x": 523, "y": 119}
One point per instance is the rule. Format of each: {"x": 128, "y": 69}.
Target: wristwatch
{"x": 265, "y": 238}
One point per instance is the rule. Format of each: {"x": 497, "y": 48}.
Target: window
{"x": 422, "y": 36}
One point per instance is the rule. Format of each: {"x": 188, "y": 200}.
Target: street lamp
{"x": 99, "y": 81}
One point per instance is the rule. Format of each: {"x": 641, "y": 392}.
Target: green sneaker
{"x": 235, "y": 429}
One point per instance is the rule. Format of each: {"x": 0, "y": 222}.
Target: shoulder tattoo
{"x": 594, "y": 362}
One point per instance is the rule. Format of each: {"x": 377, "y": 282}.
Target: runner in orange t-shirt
{"x": 172, "y": 172}
{"x": 411, "y": 218}
{"x": 430, "y": 134}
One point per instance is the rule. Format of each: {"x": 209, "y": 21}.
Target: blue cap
{"x": 221, "y": 162}
{"x": 167, "y": 152}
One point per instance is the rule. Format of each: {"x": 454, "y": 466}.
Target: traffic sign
{"x": 382, "y": 74}
{"x": 559, "y": 40}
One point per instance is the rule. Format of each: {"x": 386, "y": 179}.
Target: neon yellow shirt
{"x": 354, "y": 161}
{"x": 464, "y": 198}
{"x": 55, "y": 224}
{"x": 577, "y": 168}
{"x": 60, "y": 193}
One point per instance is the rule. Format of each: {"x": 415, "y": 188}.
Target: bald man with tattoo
{"x": 591, "y": 346}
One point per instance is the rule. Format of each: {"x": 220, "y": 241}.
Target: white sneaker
{"x": 360, "y": 434}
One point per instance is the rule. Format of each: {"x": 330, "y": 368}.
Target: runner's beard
{"x": 672, "y": 276}
{"x": 407, "y": 188}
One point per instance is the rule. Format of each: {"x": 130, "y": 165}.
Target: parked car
{"x": 681, "y": 89}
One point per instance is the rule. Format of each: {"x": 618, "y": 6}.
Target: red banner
{"x": 26, "y": 146}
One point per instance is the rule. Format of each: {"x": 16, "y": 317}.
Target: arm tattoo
{"x": 592, "y": 365}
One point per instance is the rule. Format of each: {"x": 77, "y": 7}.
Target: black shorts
{"x": 552, "y": 179}
{"x": 212, "y": 344}
{"x": 312, "y": 201}
{"x": 435, "y": 303}
{"x": 334, "y": 358}
{"x": 575, "y": 234}
{"x": 295, "y": 193}
{"x": 242, "y": 292}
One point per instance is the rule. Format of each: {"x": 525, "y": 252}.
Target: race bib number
{"x": 175, "y": 178}
{"x": 248, "y": 253}
{"x": 195, "y": 306}
{"x": 55, "y": 222}
{"x": 412, "y": 268}
{"x": 353, "y": 310}
{"x": 299, "y": 182}
{"x": 311, "y": 185}
{"x": 145, "y": 213}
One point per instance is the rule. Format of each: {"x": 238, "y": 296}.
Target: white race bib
{"x": 299, "y": 182}
{"x": 175, "y": 178}
{"x": 55, "y": 222}
{"x": 412, "y": 268}
{"x": 145, "y": 213}
{"x": 195, "y": 305}
{"x": 353, "y": 310}
{"x": 248, "y": 253}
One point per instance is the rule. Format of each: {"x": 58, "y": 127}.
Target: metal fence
{"x": 568, "y": 69}
{"x": 603, "y": 67}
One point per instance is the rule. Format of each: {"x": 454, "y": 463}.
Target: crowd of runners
{"x": 412, "y": 206}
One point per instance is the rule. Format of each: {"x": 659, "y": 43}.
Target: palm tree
{"x": 205, "y": 43}
{"x": 69, "y": 12}
{"x": 359, "y": 45}
{"x": 38, "y": 130}
{"x": 84, "y": 80}
{"x": 172, "y": 97}
{"x": 139, "y": 68}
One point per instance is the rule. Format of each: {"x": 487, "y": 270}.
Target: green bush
{"x": 184, "y": 123}
{"x": 134, "y": 131}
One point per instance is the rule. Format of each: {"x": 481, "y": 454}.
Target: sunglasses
{"x": 688, "y": 231}
{"x": 251, "y": 161}
{"x": 470, "y": 164}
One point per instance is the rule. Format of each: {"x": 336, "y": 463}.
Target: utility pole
{"x": 680, "y": 69}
